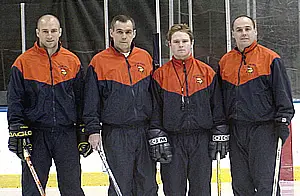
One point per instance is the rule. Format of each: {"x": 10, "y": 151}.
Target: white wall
{"x": 10, "y": 163}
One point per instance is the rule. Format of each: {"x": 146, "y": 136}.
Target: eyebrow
{"x": 181, "y": 39}
{"x": 124, "y": 29}
{"x": 243, "y": 26}
{"x": 49, "y": 28}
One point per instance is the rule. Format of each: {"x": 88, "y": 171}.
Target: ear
{"x": 169, "y": 43}
{"x": 110, "y": 32}
{"x": 134, "y": 33}
{"x": 60, "y": 31}
{"x": 37, "y": 32}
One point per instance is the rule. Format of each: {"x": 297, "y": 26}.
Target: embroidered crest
{"x": 63, "y": 70}
{"x": 140, "y": 68}
{"x": 250, "y": 68}
{"x": 199, "y": 80}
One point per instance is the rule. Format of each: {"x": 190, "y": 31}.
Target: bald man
{"x": 44, "y": 106}
{"x": 258, "y": 103}
{"x": 48, "y": 32}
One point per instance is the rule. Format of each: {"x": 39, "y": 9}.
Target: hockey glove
{"x": 17, "y": 135}
{"x": 84, "y": 147}
{"x": 219, "y": 141}
{"x": 282, "y": 130}
{"x": 160, "y": 148}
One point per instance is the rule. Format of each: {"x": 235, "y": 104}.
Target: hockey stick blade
{"x": 32, "y": 170}
{"x": 110, "y": 174}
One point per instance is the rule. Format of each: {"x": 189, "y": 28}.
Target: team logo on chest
{"x": 140, "y": 67}
{"x": 63, "y": 70}
{"x": 250, "y": 68}
{"x": 199, "y": 79}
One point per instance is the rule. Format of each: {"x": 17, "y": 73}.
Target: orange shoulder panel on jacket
{"x": 199, "y": 74}
{"x": 112, "y": 65}
{"x": 35, "y": 65}
{"x": 258, "y": 63}
{"x": 65, "y": 66}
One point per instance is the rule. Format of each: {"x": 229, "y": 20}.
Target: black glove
{"x": 219, "y": 141}
{"x": 282, "y": 130}
{"x": 84, "y": 147}
{"x": 19, "y": 139}
{"x": 160, "y": 148}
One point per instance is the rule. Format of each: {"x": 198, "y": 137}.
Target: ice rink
{"x": 11, "y": 166}
{"x": 287, "y": 189}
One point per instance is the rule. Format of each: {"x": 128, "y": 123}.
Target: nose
{"x": 123, "y": 36}
{"x": 49, "y": 34}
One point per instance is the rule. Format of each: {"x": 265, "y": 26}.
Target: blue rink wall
{"x": 92, "y": 168}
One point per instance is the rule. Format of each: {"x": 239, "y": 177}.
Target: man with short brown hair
{"x": 118, "y": 107}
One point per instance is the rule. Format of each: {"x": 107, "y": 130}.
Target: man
{"x": 118, "y": 107}
{"x": 188, "y": 119}
{"x": 44, "y": 105}
{"x": 258, "y": 104}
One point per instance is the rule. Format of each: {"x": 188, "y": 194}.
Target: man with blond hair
{"x": 187, "y": 119}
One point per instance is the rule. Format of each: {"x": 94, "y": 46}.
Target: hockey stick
{"x": 32, "y": 170}
{"x": 219, "y": 173}
{"x": 155, "y": 51}
{"x": 277, "y": 167}
{"x": 110, "y": 174}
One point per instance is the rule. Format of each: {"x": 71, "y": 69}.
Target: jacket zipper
{"x": 241, "y": 64}
{"x": 187, "y": 91}
{"x": 52, "y": 89}
{"x": 132, "y": 90}
{"x": 243, "y": 60}
{"x": 186, "y": 82}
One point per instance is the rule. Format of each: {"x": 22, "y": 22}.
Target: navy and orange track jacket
{"x": 45, "y": 91}
{"x": 117, "y": 89}
{"x": 255, "y": 85}
{"x": 200, "y": 93}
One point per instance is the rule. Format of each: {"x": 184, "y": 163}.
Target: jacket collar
{"x": 179, "y": 63}
{"x": 116, "y": 52}
{"x": 247, "y": 49}
{"x": 43, "y": 50}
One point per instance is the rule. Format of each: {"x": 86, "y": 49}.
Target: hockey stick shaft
{"x": 219, "y": 173}
{"x": 110, "y": 174}
{"x": 156, "y": 51}
{"x": 32, "y": 171}
{"x": 277, "y": 167}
